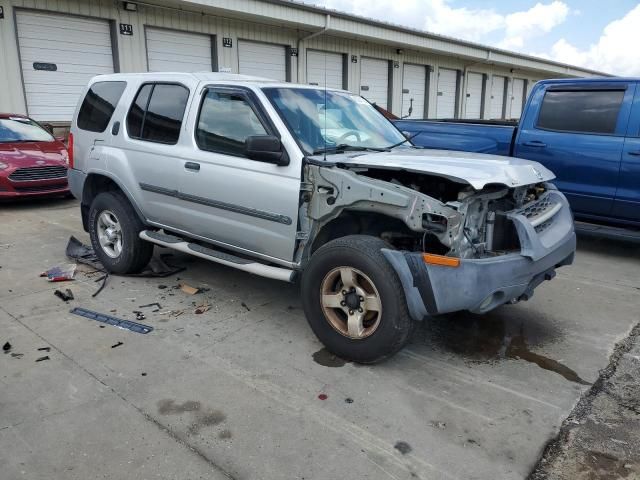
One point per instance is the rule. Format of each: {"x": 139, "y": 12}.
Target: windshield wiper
{"x": 390, "y": 147}
{"x": 343, "y": 147}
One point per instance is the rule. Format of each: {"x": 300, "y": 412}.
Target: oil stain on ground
{"x": 327, "y": 359}
{"x": 506, "y": 333}
{"x": 200, "y": 417}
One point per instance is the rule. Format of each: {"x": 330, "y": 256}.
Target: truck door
{"x": 627, "y": 203}
{"x": 577, "y": 130}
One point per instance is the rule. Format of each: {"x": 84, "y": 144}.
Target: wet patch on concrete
{"x": 201, "y": 417}
{"x": 403, "y": 447}
{"x": 208, "y": 418}
{"x": 507, "y": 333}
{"x": 170, "y": 407}
{"x": 327, "y": 359}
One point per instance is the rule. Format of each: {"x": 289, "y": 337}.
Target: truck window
{"x": 99, "y": 104}
{"x": 156, "y": 113}
{"x": 225, "y": 122}
{"x": 594, "y": 111}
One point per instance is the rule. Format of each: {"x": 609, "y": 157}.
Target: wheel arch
{"x": 97, "y": 183}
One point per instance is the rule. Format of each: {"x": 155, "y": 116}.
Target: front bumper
{"x": 480, "y": 285}
{"x": 34, "y": 188}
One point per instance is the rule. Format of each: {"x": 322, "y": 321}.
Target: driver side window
{"x": 225, "y": 121}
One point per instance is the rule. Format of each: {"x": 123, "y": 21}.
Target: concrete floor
{"x": 234, "y": 392}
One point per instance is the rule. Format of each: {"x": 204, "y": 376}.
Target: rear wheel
{"x": 114, "y": 228}
{"x": 354, "y": 301}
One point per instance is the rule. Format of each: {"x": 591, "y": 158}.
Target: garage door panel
{"x": 262, "y": 60}
{"x": 374, "y": 76}
{"x": 414, "y": 83}
{"x": 81, "y": 49}
{"x": 517, "y": 93}
{"x": 325, "y": 66}
{"x": 174, "y": 51}
{"x": 497, "y": 96}
{"x": 446, "y": 93}
{"x": 473, "y": 96}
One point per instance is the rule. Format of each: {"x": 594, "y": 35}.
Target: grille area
{"x": 38, "y": 173}
{"x": 42, "y": 188}
{"x": 537, "y": 208}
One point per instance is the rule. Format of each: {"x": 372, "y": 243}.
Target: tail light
{"x": 70, "y": 149}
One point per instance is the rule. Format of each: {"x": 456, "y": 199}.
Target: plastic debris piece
{"x": 108, "y": 319}
{"x": 246, "y": 306}
{"x": 44, "y": 349}
{"x": 205, "y": 307}
{"x": 104, "y": 279}
{"x": 188, "y": 289}
{"x": 117, "y": 345}
{"x": 60, "y": 273}
{"x": 40, "y": 359}
{"x": 6, "y": 347}
{"x": 17, "y": 355}
{"x": 64, "y": 296}
{"x": 154, "y": 304}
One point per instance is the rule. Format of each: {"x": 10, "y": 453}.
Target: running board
{"x": 230, "y": 260}
{"x": 605, "y": 231}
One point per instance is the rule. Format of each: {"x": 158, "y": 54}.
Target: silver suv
{"x": 315, "y": 186}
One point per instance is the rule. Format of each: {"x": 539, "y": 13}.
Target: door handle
{"x": 535, "y": 143}
{"x": 635, "y": 153}
{"x": 192, "y": 166}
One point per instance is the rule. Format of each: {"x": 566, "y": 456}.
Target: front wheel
{"x": 354, "y": 301}
{"x": 114, "y": 228}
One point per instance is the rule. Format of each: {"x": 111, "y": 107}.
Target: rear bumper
{"x": 480, "y": 285}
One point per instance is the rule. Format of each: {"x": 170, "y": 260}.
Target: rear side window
{"x": 594, "y": 111}
{"x": 99, "y": 104}
{"x": 156, "y": 113}
{"x": 225, "y": 122}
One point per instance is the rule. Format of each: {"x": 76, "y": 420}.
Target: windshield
{"x": 324, "y": 120}
{"x": 20, "y": 129}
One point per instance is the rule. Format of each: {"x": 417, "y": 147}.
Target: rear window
{"x": 594, "y": 111}
{"x": 156, "y": 113}
{"x": 99, "y": 104}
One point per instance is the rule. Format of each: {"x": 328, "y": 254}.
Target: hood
{"x": 476, "y": 169}
{"x": 27, "y": 154}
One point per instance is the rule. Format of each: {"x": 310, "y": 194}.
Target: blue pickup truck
{"x": 587, "y": 131}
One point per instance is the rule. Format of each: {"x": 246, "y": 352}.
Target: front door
{"x": 577, "y": 131}
{"x": 233, "y": 201}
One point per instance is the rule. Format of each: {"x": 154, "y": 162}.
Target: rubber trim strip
{"x": 422, "y": 282}
{"x": 252, "y": 212}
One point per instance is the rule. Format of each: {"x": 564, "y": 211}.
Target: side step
{"x": 605, "y": 231}
{"x": 182, "y": 245}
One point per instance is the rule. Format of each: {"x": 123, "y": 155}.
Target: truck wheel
{"x": 354, "y": 301}
{"x": 114, "y": 227}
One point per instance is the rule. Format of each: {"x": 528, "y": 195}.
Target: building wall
{"x": 131, "y": 50}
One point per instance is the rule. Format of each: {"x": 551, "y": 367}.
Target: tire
{"x": 386, "y": 331}
{"x": 134, "y": 254}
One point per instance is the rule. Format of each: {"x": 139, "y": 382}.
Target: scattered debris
{"x": 17, "y": 355}
{"x": 348, "y": 400}
{"x": 205, "y": 307}
{"x": 44, "y": 349}
{"x": 144, "y": 374}
{"x": 440, "y": 425}
{"x": 188, "y": 289}
{"x": 6, "y": 347}
{"x": 246, "y": 306}
{"x": 41, "y": 359}
{"x": 103, "y": 279}
{"x": 108, "y": 319}
{"x": 323, "y": 396}
{"x": 139, "y": 315}
{"x": 60, "y": 273}
{"x": 117, "y": 345}
{"x": 154, "y": 304}
{"x": 162, "y": 287}
{"x": 64, "y": 296}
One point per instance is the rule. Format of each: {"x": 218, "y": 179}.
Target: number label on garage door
{"x": 126, "y": 29}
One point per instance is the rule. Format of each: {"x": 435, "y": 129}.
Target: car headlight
{"x": 3, "y": 166}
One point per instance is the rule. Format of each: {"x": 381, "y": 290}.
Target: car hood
{"x": 476, "y": 169}
{"x": 30, "y": 154}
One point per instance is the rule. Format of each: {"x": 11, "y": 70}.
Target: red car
{"x": 32, "y": 161}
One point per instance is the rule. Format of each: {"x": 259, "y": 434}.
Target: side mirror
{"x": 266, "y": 148}
{"x": 48, "y": 127}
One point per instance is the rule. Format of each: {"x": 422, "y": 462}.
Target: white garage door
{"x": 262, "y": 60}
{"x": 517, "y": 94}
{"x": 497, "y": 96}
{"x": 59, "y": 54}
{"x": 473, "y": 97}
{"x": 374, "y": 81}
{"x": 324, "y": 66}
{"x": 414, "y": 84}
{"x": 172, "y": 51}
{"x": 446, "y": 96}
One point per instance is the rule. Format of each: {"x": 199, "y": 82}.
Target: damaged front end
{"x": 454, "y": 247}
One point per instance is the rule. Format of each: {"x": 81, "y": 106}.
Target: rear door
{"x": 262, "y": 60}
{"x": 578, "y": 131}
{"x": 325, "y": 69}
{"x": 474, "y": 95}
{"x": 627, "y": 202}
{"x": 447, "y": 93}
{"x": 374, "y": 81}
{"x": 414, "y": 89}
